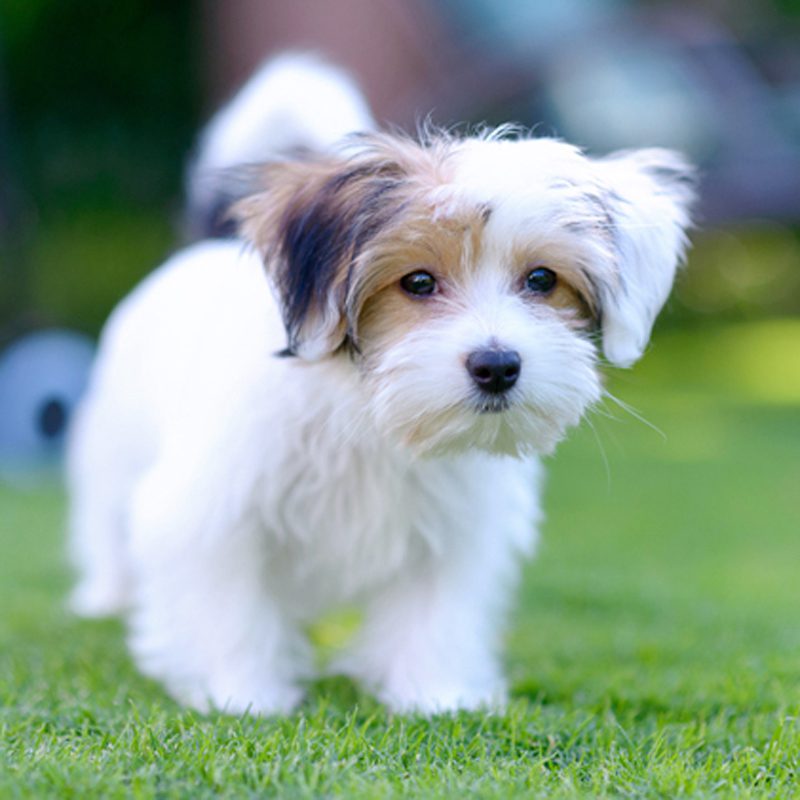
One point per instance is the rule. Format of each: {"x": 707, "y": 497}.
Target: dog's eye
{"x": 419, "y": 283}
{"x": 541, "y": 280}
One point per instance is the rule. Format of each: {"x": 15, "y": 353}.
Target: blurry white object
{"x": 42, "y": 377}
{"x": 292, "y": 103}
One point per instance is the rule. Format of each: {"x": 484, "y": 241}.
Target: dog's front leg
{"x": 204, "y": 621}
{"x": 429, "y": 640}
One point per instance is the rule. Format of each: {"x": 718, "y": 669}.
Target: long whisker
{"x": 636, "y": 414}
{"x": 601, "y": 447}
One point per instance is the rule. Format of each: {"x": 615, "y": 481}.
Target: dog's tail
{"x": 292, "y": 104}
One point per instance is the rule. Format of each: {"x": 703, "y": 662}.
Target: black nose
{"x": 494, "y": 371}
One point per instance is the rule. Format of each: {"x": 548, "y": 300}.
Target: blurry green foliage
{"x": 103, "y": 103}
{"x": 789, "y": 7}
{"x": 102, "y": 98}
{"x": 741, "y": 272}
{"x": 82, "y": 264}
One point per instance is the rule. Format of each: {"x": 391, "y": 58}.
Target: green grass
{"x": 655, "y": 650}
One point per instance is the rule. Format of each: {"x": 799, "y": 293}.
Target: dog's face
{"x": 471, "y": 280}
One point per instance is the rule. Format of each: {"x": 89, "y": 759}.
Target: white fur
{"x": 291, "y": 102}
{"x": 223, "y": 497}
{"x": 651, "y": 216}
{"x": 646, "y": 195}
{"x": 227, "y": 496}
{"x": 421, "y": 383}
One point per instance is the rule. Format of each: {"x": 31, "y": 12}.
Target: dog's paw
{"x": 264, "y": 700}
{"x": 444, "y": 698}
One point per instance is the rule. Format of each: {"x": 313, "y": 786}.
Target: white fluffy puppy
{"x": 368, "y": 432}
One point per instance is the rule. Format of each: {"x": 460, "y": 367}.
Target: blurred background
{"x": 100, "y": 104}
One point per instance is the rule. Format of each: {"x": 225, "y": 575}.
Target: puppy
{"x": 368, "y": 432}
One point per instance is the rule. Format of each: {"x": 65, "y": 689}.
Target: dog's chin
{"x": 494, "y": 425}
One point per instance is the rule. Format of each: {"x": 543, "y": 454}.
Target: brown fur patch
{"x": 315, "y": 219}
{"x": 447, "y": 247}
{"x": 574, "y": 292}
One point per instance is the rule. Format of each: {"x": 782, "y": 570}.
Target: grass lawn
{"x": 654, "y": 652}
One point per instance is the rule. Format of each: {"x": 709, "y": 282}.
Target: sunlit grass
{"x": 655, "y": 649}
{"x": 757, "y": 362}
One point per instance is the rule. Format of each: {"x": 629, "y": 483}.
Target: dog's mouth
{"x": 495, "y": 404}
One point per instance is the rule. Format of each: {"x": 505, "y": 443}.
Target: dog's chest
{"x": 340, "y": 519}
{"x": 337, "y": 524}
{"x": 341, "y": 510}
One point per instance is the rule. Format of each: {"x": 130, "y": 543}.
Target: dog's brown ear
{"x": 649, "y": 194}
{"x": 310, "y": 223}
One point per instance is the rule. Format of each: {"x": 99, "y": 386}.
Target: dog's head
{"x": 471, "y": 280}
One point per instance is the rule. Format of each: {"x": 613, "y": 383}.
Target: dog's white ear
{"x": 648, "y": 194}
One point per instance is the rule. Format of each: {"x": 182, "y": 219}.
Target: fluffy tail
{"x": 293, "y": 103}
